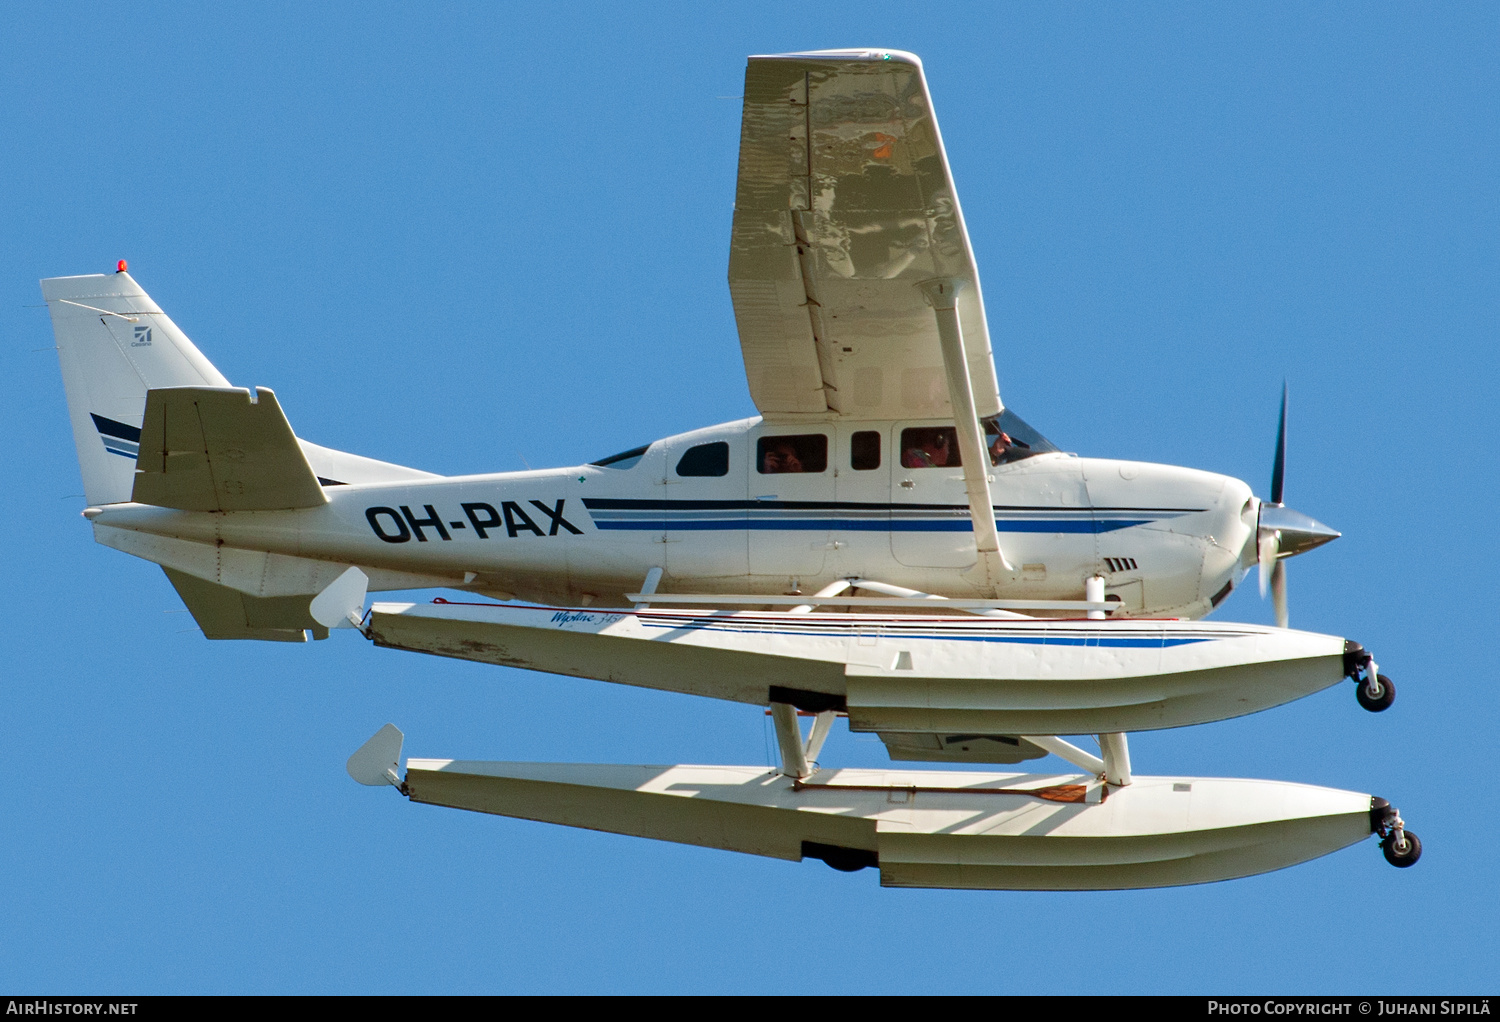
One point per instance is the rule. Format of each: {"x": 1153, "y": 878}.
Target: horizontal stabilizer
{"x": 221, "y": 449}
{"x": 255, "y": 572}
{"x": 225, "y": 613}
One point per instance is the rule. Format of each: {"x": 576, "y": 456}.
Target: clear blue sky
{"x": 464, "y": 238}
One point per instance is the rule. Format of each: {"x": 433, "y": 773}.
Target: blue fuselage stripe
{"x": 617, "y": 514}
{"x": 860, "y": 525}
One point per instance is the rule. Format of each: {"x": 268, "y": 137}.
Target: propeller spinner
{"x": 1282, "y": 532}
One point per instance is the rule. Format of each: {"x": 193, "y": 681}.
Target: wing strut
{"x": 942, "y": 294}
{"x": 799, "y": 755}
{"x": 794, "y": 758}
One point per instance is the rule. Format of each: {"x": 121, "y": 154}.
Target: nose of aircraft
{"x": 1282, "y": 532}
{"x": 1295, "y": 532}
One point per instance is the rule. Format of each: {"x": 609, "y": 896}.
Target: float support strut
{"x": 653, "y": 579}
{"x": 789, "y": 738}
{"x": 1093, "y": 591}
{"x": 832, "y": 589}
{"x": 822, "y": 724}
{"x": 1116, "y": 758}
{"x": 1068, "y": 751}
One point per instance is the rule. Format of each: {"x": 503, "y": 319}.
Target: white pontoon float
{"x": 990, "y": 689}
{"x": 925, "y": 828}
{"x": 902, "y": 673}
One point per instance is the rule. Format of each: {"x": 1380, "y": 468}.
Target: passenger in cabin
{"x": 805, "y": 452}
{"x": 930, "y": 447}
{"x": 780, "y": 456}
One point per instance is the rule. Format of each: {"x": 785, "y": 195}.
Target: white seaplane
{"x": 886, "y": 542}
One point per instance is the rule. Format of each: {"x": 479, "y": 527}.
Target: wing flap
{"x": 221, "y": 449}
{"x": 844, "y": 205}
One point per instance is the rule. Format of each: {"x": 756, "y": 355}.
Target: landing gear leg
{"x": 1373, "y": 690}
{"x": 1400, "y": 846}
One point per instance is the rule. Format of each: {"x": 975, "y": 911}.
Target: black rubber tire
{"x": 1401, "y": 859}
{"x": 1383, "y": 701}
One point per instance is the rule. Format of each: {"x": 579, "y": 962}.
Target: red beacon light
{"x": 120, "y": 266}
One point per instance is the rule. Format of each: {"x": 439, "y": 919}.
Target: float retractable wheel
{"x": 1402, "y": 848}
{"x": 1376, "y": 693}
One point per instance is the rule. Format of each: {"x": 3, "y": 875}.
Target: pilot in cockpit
{"x": 1001, "y": 444}
{"x": 937, "y": 446}
{"x": 1005, "y": 448}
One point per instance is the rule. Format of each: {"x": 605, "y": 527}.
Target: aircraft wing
{"x": 845, "y": 204}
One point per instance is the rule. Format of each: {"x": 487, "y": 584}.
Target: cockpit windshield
{"x": 1007, "y": 436}
{"x": 1010, "y": 438}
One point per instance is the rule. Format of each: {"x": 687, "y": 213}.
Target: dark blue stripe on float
{"x": 1115, "y": 642}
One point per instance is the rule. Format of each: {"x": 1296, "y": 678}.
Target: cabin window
{"x": 864, "y": 450}
{"x": 625, "y": 459}
{"x": 807, "y": 452}
{"x": 705, "y": 460}
{"x": 930, "y": 447}
{"x": 1007, "y": 436}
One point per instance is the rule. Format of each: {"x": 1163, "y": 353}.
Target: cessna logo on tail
{"x": 400, "y": 524}
{"x": 142, "y": 337}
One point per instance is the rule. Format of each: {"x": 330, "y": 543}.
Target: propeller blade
{"x": 1266, "y": 553}
{"x": 1278, "y": 469}
{"x": 1278, "y": 594}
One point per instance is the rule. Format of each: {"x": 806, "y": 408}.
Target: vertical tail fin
{"x": 115, "y": 344}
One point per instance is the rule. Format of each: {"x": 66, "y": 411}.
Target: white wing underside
{"x": 844, "y": 205}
